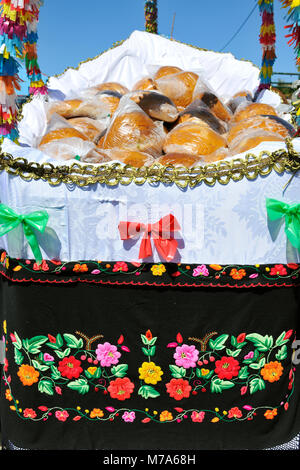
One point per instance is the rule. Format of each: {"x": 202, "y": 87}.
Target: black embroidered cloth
{"x": 114, "y": 355}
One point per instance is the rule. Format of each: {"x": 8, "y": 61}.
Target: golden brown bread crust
{"x": 193, "y": 137}
{"x": 183, "y": 159}
{"x": 253, "y": 109}
{"x": 134, "y": 130}
{"x": 86, "y": 126}
{"x": 114, "y": 86}
{"x": 63, "y": 133}
{"x": 166, "y": 70}
{"x": 178, "y": 87}
{"x": 131, "y": 157}
{"x": 146, "y": 83}
{"x": 258, "y": 122}
{"x": 249, "y": 142}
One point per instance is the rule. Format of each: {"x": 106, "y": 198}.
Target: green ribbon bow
{"x": 38, "y": 220}
{"x": 291, "y": 213}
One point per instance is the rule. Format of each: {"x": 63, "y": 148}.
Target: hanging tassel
{"x": 151, "y": 16}
{"x": 267, "y": 40}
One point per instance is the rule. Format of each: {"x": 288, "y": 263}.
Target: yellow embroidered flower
{"x": 4, "y": 327}
{"x": 158, "y": 269}
{"x": 204, "y": 372}
{"x": 96, "y": 413}
{"x": 150, "y": 373}
{"x": 92, "y": 370}
{"x": 165, "y": 416}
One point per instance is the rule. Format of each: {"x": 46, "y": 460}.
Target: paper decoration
{"x": 267, "y": 39}
{"x": 151, "y": 16}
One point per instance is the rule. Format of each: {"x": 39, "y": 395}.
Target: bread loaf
{"x": 178, "y": 87}
{"x": 252, "y": 109}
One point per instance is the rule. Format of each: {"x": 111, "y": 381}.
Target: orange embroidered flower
{"x": 272, "y": 371}
{"x": 8, "y": 395}
{"x": 165, "y": 416}
{"x": 28, "y": 374}
{"x": 270, "y": 414}
{"x": 80, "y": 268}
{"x": 237, "y": 274}
{"x": 96, "y": 413}
{"x": 3, "y": 255}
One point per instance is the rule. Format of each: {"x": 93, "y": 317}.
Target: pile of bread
{"x": 171, "y": 118}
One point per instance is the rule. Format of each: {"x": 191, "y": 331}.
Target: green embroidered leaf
{"x": 241, "y": 345}
{"x": 258, "y": 365}
{"x": 146, "y": 391}
{"x": 201, "y": 375}
{"x": 62, "y": 354}
{"x": 243, "y": 373}
{"x": 177, "y": 372}
{"x": 235, "y": 353}
{"x": 72, "y": 341}
{"x": 218, "y": 385}
{"x": 39, "y": 366}
{"x": 282, "y": 353}
{"x": 218, "y": 343}
{"x": 18, "y": 357}
{"x": 153, "y": 340}
{"x": 150, "y": 351}
{"x": 120, "y": 370}
{"x": 34, "y": 344}
{"x": 46, "y": 386}
{"x": 18, "y": 342}
{"x": 58, "y": 343}
{"x": 262, "y": 343}
{"x": 55, "y": 374}
{"x": 81, "y": 386}
{"x": 145, "y": 340}
{"x": 280, "y": 340}
{"x": 257, "y": 384}
{"x": 234, "y": 342}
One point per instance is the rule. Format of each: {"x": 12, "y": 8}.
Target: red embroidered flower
{"x": 241, "y": 338}
{"x": 178, "y": 389}
{"x": 237, "y": 274}
{"x": 278, "y": 270}
{"x": 121, "y": 388}
{"x": 29, "y": 413}
{"x": 227, "y": 367}
{"x": 234, "y": 412}
{"x": 148, "y": 335}
{"x": 120, "y": 266}
{"x": 70, "y": 367}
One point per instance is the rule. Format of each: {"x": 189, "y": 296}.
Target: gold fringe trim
{"x": 222, "y": 172}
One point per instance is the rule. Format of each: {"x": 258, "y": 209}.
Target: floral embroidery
{"x": 248, "y": 362}
{"x": 81, "y": 371}
{"x": 249, "y": 370}
{"x": 120, "y": 272}
{"x": 149, "y": 372}
{"x": 158, "y": 269}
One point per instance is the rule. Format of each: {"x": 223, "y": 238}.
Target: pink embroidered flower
{"x": 186, "y": 356}
{"x": 29, "y": 413}
{"x": 200, "y": 271}
{"x": 61, "y": 415}
{"x": 198, "y": 417}
{"x": 278, "y": 270}
{"x": 234, "y": 412}
{"x": 120, "y": 266}
{"x": 128, "y": 416}
{"x": 250, "y": 355}
{"x": 107, "y": 354}
{"x": 48, "y": 357}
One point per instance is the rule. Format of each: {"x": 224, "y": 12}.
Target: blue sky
{"x": 72, "y": 30}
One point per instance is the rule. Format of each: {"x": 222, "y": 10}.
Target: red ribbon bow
{"x": 162, "y": 233}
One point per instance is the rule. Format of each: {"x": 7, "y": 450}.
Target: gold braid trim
{"x": 250, "y": 167}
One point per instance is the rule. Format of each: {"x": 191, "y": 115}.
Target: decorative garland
{"x": 267, "y": 40}
{"x": 37, "y": 85}
{"x": 18, "y": 38}
{"x": 293, "y": 18}
{"x": 151, "y": 16}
